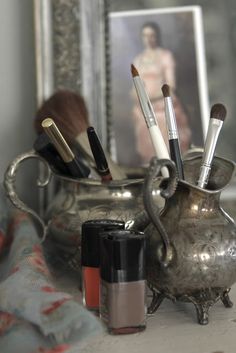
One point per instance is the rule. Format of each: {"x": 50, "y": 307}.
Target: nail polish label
{"x": 123, "y": 304}
{"x": 91, "y": 283}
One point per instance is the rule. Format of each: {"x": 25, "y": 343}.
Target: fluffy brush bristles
{"x": 69, "y": 112}
{"x": 166, "y": 90}
{"x": 218, "y": 111}
{"x": 134, "y": 71}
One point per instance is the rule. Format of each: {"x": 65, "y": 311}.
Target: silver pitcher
{"x": 191, "y": 250}
{"x": 78, "y": 201}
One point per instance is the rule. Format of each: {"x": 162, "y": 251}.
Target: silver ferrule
{"x": 204, "y": 176}
{"x": 145, "y": 103}
{"x": 170, "y": 119}
{"x": 214, "y": 128}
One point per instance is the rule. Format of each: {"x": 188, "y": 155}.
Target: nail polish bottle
{"x": 90, "y": 258}
{"x": 123, "y": 281}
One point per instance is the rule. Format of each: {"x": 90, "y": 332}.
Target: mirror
{"x": 73, "y": 51}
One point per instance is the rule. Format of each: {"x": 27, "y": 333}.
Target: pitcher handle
{"x": 10, "y": 184}
{"x": 154, "y": 169}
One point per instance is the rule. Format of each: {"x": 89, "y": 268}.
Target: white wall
{"x": 17, "y": 90}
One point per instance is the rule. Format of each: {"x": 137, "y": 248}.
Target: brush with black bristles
{"x": 173, "y": 135}
{"x": 217, "y": 117}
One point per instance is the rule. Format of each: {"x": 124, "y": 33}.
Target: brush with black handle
{"x": 75, "y": 169}
{"x": 99, "y": 155}
{"x": 173, "y": 135}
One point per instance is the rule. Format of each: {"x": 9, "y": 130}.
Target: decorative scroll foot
{"x": 202, "y": 313}
{"x": 203, "y": 300}
{"x": 226, "y": 299}
{"x": 157, "y": 299}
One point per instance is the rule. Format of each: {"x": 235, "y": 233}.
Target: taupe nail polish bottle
{"x": 123, "y": 281}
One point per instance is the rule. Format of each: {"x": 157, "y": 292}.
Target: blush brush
{"x": 69, "y": 112}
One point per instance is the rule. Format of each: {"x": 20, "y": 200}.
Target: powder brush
{"x": 69, "y": 112}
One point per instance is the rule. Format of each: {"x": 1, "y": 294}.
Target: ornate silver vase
{"x": 192, "y": 242}
{"x": 77, "y": 201}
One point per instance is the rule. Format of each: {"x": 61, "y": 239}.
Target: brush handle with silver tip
{"x": 54, "y": 134}
{"x": 173, "y": 137}
{"x": 149, "y": 115}
{"x": 213, "y": 132}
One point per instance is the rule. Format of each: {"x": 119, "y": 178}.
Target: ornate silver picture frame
{"x": 71, "y": 48}
{"x": 66, "y": 33}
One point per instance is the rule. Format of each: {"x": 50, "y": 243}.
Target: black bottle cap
{"x": 90, "y": 245}
{"x": 123, "y": 256}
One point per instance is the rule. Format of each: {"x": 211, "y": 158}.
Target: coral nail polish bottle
{"x": 90, "y": 258}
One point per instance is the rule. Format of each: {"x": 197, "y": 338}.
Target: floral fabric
{"x": 35, "y": 316}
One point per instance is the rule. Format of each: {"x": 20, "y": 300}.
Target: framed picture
{"x": 166, "y": 46}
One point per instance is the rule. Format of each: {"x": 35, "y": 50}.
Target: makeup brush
{"x": 217, "y": 117}
{"x": 63, "y": 149}
{"x": 69, "y": 112}
{"x": 150, "y": 118}
{"x": 99, "y": 155}
{"x": 172, "y": 131}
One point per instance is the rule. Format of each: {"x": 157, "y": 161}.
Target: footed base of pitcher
{"x": 203, "y": 300}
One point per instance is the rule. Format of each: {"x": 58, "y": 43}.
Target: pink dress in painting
{"x": 156, "y": 67}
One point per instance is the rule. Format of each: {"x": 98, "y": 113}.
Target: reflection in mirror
{"x": 82, "y": 60}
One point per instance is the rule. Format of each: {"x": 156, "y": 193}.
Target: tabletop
{"x": 174, "y": 329}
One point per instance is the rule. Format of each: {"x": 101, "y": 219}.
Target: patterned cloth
{"x": 35, "y": 316}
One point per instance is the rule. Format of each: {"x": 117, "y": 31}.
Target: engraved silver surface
{"x": 202, "y": 237}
